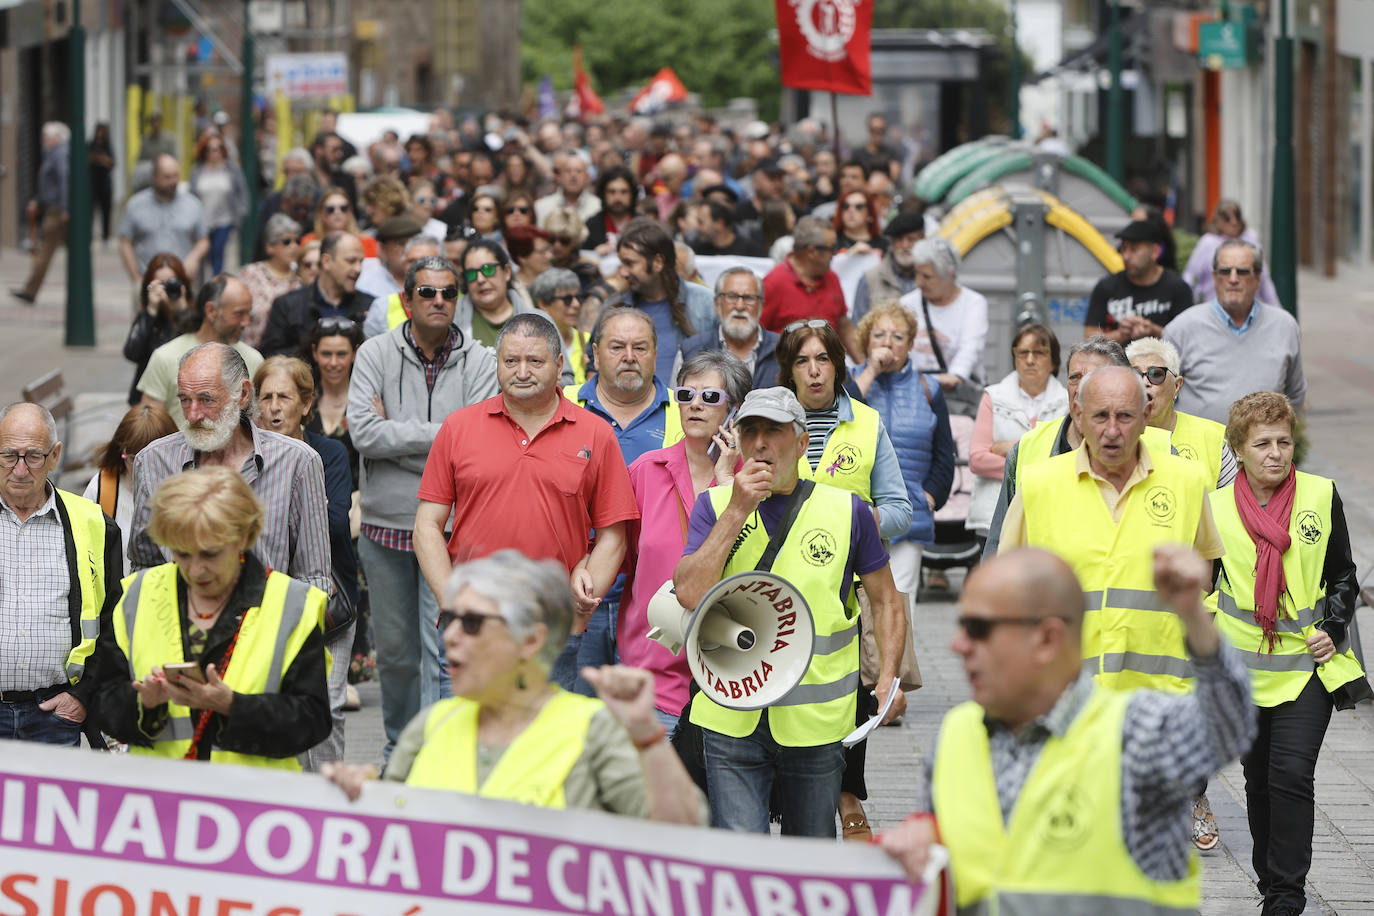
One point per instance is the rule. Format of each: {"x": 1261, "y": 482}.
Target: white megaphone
{"x": 748, "y": 642}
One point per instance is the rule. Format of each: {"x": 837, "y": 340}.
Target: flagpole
{"x": 835, "y": 122}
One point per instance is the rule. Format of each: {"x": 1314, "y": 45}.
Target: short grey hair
{"x": 729, "y": 272}
{"x": 526, "y": 593}
{"x": 300, "y": 187}
{"x": 298, "y": 155}
{"x": 1254, "y": 250}
{"x": 533, "y": 324}
{"x": 733, "y": 372}
{"x": 548, "y": 284}
{"x": 939, "y": 254}
{"x": 233, "y": 371}
{"x": 1101, "y": 346}
{"x": 419, "y": 241}
{"x": 354, "y": 163}
{"x": 58, "y": 131}
{"x": 278, "y": 225}
{"x": 1139, "y": 381}
{"x": 49, "y": 424}
{"x": 621, "y": 311}
{"x": 433, "y": 262}
{"x": 810, "y": 232}
{"x": 1161, "y": 350}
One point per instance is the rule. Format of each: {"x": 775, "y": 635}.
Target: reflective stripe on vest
{"x": 1199, "y": 439}
{"x": 1062, "y": 849}
{"x": 532, "y": 770}
{"x": 820, "y": 709}
{"x": 147, "y": 624}
{"x": 395, "y": 312}
{"x": 1140, "y": 644}
{"x": 847, "y": 461}
{"x": 88, "y": 539}
{"x": 1279, "y": 677}
{"x": 672, "y": 417}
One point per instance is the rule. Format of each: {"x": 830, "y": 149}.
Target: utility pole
{"x": 1014, "y": 108}
{"x": 248, "y": 152}
{"x": 1116, "y": 159}
{"x": 1283, "y": 254}
{"x": 80, "y": 330}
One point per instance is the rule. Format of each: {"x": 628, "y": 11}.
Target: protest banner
{"x": 850, "y": 268}
{"x": 115, "y": 835}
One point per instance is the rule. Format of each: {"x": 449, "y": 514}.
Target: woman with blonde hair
{"x": 334, "y": 213}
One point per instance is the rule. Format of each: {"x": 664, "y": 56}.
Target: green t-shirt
{"x": 484, "y": 331}
{"x": 159, "y": 379}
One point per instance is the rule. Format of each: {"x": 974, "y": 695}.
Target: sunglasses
{"x": 337, "y": 324}
{"x": 471, "y": 622}
{"x": 709, "y": 396}
{"x": 565, "y": 301}
{"x": 486, "y": 270}
{"x": 980, "y": 628}
{"x": 336, "y": 208}
{"x": 1233, "y": 271}
{"x": 856, "y": 206}
{"x": 1155, "y": 375}
{"x": 290, "y": 240}
{"x": 310, "y": 265}
{"x": 816, "y": 323}
{"x": 518, "y": 209}
{"x": 562, "y": 240}
{"x": 450, "y": 293}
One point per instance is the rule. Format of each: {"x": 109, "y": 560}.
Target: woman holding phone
{"x": 237, "y": 673}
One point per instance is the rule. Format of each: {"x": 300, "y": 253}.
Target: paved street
{"x": 1339, "y": 359}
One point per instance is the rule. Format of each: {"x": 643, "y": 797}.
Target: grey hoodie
{"x": 394, "y": 448}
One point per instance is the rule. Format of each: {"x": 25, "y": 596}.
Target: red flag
{"x": 665, "y": 87}
{"x": 824, "y": 44}
{"x": 584, "y": 99}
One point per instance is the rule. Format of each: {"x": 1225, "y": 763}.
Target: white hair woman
{"x": 1195, "y": 438}
{"x": 952, "y": 319}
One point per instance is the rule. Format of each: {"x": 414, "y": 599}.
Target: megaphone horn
{"x": 748, "y": 642}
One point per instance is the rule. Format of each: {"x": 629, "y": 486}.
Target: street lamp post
{"x": 1116, "y": 159}
{"x": 80, "y": 318}
{"x": 248, "y": 153}
{"x": 1015, "y": 102}
{"x": 1283, "y": 254}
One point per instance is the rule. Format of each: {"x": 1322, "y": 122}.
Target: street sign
{"x": 307, "y": 76}
{"x": 268, "y": 16}
{"x": 1225, "y": 45}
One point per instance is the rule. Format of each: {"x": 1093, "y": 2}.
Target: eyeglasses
{"x": 737, "y": 298}
{"x": 425, "y": 201}
{"x": 709, "y": 396}
{"x": 858, "y": 206}
{"x": 1026, "y": 353}
{"x": 336, "y": 324}
{"x": 310, "y": 265}
{"x": 336, "y": 208}
{"x": 566, "y": 301}
{"x": 980, "y": 628}
{"x": 518, "y": 209}
{"x": 471, "y": 622}
{"x": 290, "y": 240}
{"x": 9, "y": 458}
{"x": 450, "y": 293}
{"x": 816, "y": 323}
{"x": 486, "y": 270}
{"x": 1233, "y": 271}
{"x": 1155, "y": 375}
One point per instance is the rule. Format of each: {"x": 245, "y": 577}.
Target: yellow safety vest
{"x": 532, "y": 770}
{"x": 672, "y": 417}
{"x": 147, "y": 627}
{"x": 395, "y": 312}
{"x": 1279, "y": 677}
{"x": 576, "y": 353}
{"x": 821, "y": 708}
{"x": 88, "y": 537}
{"x": 1062, "y": 849}
{"x": 1199, "y": 439}
{"x": 1037, "y": 445}
{"x": 1129, "y": 638}
{"x": 847, "y": 461}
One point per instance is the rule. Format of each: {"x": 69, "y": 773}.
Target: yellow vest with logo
{"x": 147, "y": 627}
{"x": 1129, "y": 638}
{"x": 88, "y": 537}
{"x": 1199, "y": 439}
{"x": 1036, "y": 445}
{"x": 532, "y": 770}
{"x": 1062, "y": 850}
{"x": 847, "y": 461}
{"x": 1279, "y": 677}
{"x": 395, "y": 312}
{"x": 672, "y": 417}
{"x": 821, "y": 708}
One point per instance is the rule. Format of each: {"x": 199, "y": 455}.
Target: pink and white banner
{"x": 83, "y": 834}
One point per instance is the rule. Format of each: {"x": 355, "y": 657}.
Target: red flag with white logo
{"x": 824, "y": 44}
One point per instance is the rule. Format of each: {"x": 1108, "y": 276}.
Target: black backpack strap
{"x": 799, "y": 495}
{"x": 930, "y": 333}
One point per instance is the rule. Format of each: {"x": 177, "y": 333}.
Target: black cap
{"x": 398, "y": 227}
{"x": 905, "y": 223}
{"x": 721, "y": 189}
{"x": 1141, "y": 230}
{"x": 768, "y": 165}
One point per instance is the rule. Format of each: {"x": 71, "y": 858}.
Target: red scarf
{"x": 1268, "y": 528}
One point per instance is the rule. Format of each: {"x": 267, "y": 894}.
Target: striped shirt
{"x": 288, "y": 478}
{"x": 819, "y": 425}
{"x": 35, "y": 586}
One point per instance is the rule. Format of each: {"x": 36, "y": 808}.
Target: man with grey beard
{"x": 739, "y": 302}
{"x": 895, "y": 275}
{"x": 287, "y": 475}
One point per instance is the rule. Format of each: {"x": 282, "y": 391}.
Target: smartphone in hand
{"x": 714, "y": 451}
{"x": 189, "y": 670}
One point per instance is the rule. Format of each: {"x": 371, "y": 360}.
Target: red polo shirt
{"x": 541, "y": 495}
{"x": 787, "y": 298}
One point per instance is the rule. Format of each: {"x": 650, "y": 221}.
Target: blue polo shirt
{"x": 645, "y": 432}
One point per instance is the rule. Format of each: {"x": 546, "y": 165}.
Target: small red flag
{"x": 584, "y": 99}
{"x": 824, "y": 44}
{"x": 664, "y": 88}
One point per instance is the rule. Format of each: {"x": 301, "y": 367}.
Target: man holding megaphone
{"x": 819, "y": 538}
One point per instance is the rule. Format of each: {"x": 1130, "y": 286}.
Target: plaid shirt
{"x": 391, "y": 538}
{"x": 432, "y": 366}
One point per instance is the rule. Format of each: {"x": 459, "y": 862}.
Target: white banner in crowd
{"x": 850, "y": 268}
{"x": 712, "y": 266}
{"x": 112, "y": 835}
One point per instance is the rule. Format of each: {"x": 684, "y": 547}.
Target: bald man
{"x": 1103, "y": 508}
{"x": 1099, "y": 780}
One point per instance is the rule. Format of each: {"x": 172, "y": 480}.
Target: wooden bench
{"x": 49, "y": 392}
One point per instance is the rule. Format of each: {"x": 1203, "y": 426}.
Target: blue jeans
{"x": 405, "y": 619}
{"x": 24, "y": 721}
{"x": 219, "y": 240}
{"x": 742, "y": 772}
{"x": 598, "y": 645}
